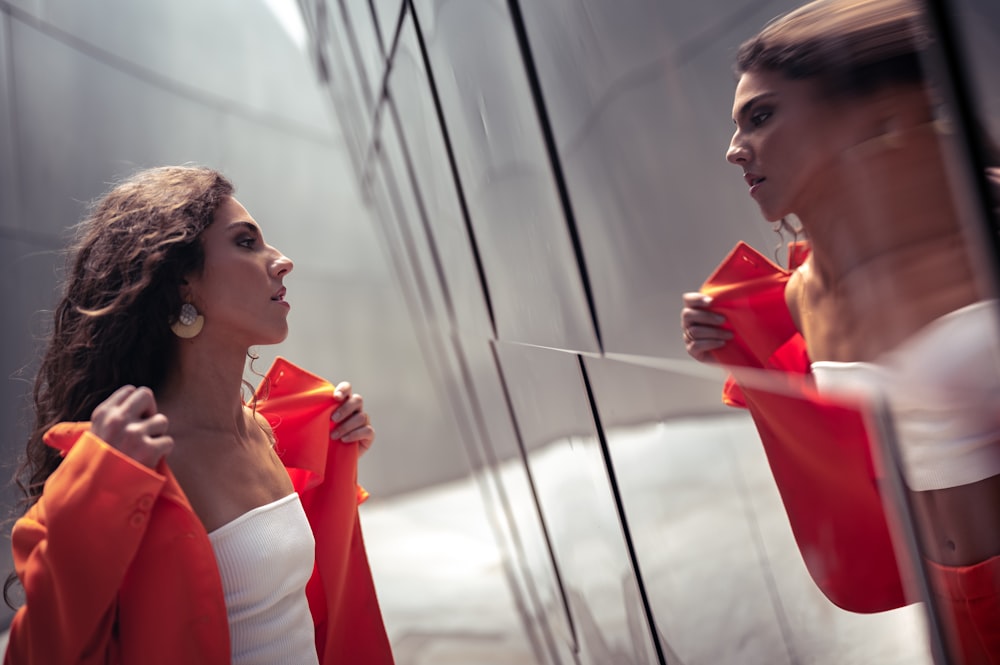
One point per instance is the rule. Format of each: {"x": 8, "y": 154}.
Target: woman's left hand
{"x": 352, "y": 423}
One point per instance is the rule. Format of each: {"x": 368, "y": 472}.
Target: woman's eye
{"x": 759, "y": 118}
{"x": 247, "y": 242}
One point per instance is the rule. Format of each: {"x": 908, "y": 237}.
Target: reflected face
{"x": 786, "y": 141}
{"x": 240, "y": 289}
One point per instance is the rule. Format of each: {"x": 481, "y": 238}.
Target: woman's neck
{"x": 203, "y": 391}
{"x": 880, "y": 201}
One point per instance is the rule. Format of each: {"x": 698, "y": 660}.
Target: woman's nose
{"x": 282, "y": 265}
{"x": 737, "y": 153}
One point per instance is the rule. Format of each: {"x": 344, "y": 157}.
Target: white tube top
{"x": 265, "y": 558}
{"x": 943, "y": 388}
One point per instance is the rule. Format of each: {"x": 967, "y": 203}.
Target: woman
{"x": 170, "y": 529}
{"x": 836, "y": 125}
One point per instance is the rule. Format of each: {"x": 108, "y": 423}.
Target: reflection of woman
{"x": 836, "y": 125}
{"x": 126, "y": 559}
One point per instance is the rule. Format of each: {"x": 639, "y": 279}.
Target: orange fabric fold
{"x": 817, "y": 448}
{"x": 298, "y": 405}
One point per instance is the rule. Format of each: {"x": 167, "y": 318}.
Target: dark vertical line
{"x": 893, "y": 487}
{"x": 422, "y": 213}
{"x": 627, "y": 534}
{"x": 378, "y": 28}
{"x": 387, "y": 54}
{"x": 392, "y": 190}
{"x": 352, "y": 43}
{"x": 534, "y": 495}
{"x": 490, "y": 465}
{"x": 550, "y": 146}
{"x": 453, "y": 164}
{"x": 955, "y": 80}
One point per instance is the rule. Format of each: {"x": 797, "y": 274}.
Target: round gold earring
{"x": 188, "y": 323}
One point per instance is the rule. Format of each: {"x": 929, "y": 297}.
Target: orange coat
{"x": 117, "y": 568}
{"x": 818, "y": 448}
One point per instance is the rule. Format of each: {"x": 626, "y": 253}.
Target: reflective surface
{"x": 543, "y": 181}
{"x": 585, "y": 243}
{"x": 639, "y": 101}
{"x": 587, "y": 141}
{"x": 577, "y": 500}
{"x": 534, "y": 280}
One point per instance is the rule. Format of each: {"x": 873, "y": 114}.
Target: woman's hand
{"x": 129, "y": 422}
{"x": 703, "y": 332}
{"x": 353, "y": 424}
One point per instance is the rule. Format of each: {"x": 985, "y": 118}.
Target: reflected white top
{"x": 943, "y": 388}
{"x": 265, "y": 558}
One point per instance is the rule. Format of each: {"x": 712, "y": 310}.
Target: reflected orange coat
{"x": 817, "y": 448}
{"x": 118, "y": 569}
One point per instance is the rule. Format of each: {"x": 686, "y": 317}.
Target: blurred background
{"x": 493, "y": 208}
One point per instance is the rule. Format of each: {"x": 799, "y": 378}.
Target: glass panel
{"x": 387, "y": 15}
{"x": 357, "y": 18}
{"x": 527, "y": 252}
{"x": 638, "y": 93}
{"x": 576, "y": 499}
{"x": 349, "y": 92}
{"x": 409, "y": 86}
{"x": 712, "y": 538}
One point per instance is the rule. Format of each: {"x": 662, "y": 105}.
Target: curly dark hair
{"x": 120, "y": 295}
{"x": 849, "y": 47}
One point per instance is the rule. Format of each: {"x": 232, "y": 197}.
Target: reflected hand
{"x": 703, "y": 332}
{"x": 353, "y": 424}
{"x": 129, "y": 422}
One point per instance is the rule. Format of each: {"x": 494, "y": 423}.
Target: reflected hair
{"x": 850, "y": 48}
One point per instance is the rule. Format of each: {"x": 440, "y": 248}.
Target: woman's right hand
{"x": 129, "y": 422}
{"x": 703, "y": 332}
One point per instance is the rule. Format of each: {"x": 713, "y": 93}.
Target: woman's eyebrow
{"x": 749, "y": 104}
{"x": 249, "y": 226}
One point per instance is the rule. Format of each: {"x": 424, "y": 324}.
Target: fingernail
{"x": 707, "y": 300}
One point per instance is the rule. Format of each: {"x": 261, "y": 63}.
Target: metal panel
{"x": 269, "y": 38}
{"x": 453, "y": 251}
{"x": 639, "y": 94}
{"x": 521, "y": 530}
{"x": 527, "y": 251}
{"x": 578, "y": 504}
{"x": 387, "y": 18}
{"x": 9, "y": 176}
{"x": 712, "y": 539}
{"x": 351, "y": 96}
{"x": 151, "y": 126}
{"x": 366, "y": 44}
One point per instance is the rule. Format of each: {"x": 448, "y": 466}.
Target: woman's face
{"x": 787, "y": 141}
{"x": 240, "y": 290}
